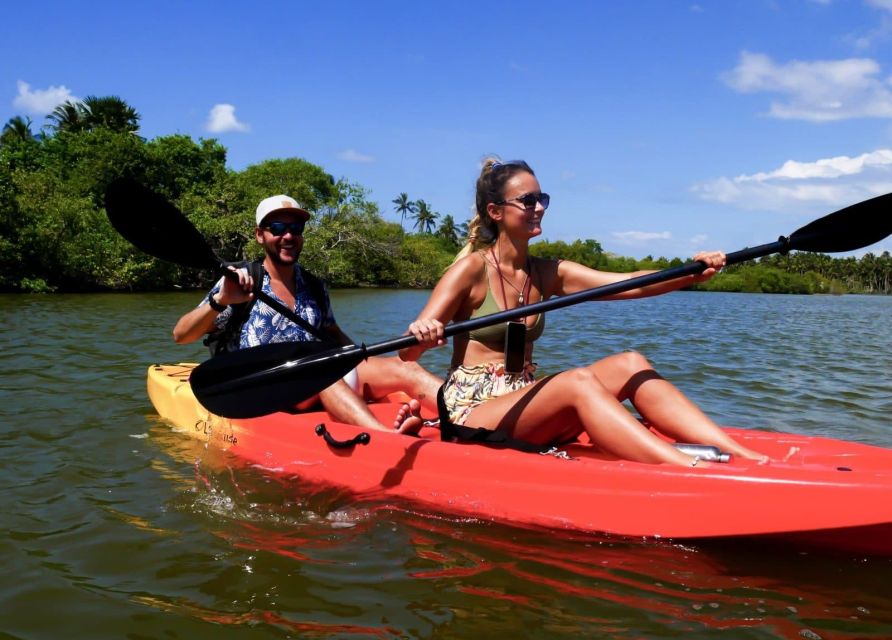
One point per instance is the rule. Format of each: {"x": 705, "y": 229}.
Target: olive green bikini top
{"x": 495, "y": 334}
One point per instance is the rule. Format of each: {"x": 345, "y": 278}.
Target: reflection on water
{"x": 463, "y": 578}
{"x": 113, "y": 518}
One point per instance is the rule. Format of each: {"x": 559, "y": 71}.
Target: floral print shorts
{"x": 467, "y": 387}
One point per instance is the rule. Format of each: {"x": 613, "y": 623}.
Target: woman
{"x": 494, "y": 272}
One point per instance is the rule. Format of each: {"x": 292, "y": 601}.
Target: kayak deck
{"x": 816, "y": 490}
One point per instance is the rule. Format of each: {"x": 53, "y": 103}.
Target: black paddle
{"x": 253, "y": 382}
{"x": 153, "y": 224}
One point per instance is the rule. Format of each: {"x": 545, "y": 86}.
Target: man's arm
{"x": 194, "y": 324}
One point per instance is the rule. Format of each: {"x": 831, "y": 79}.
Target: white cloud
{"x": 351, "y": 155}
{"x": 637, "y": 237}
{"x": 40, "y": 101}
{"x": 878, "y": 34}
{"x": 698, "y": 240}
{"x": 817, "y": 91}
{"x": 222, "y": 120}
{"x": 881, "y": 4}
{"x": 825, "y": 168}
{"x": 827, "y": 182}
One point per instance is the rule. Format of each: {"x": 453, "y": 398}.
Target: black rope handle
{"x": 362, "y": 438}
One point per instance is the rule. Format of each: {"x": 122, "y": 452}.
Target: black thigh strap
{"x": 451, "y": 432}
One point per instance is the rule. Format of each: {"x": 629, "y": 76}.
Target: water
{"x": 114, "y": 526}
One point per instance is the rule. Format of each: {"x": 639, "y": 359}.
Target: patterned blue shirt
{"x": 265, "y": 325}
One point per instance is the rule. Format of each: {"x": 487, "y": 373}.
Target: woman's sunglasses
{"x": 281, "y": 228}
{"x": 529, "y": 200}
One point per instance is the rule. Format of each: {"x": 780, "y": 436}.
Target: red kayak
{"x": 815, "y": 491}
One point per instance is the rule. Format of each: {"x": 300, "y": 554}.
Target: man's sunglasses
{"x": 281, "y": 228}
{"x": 529, "y": 200}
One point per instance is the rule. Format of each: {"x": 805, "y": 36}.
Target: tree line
{"x": 797, "y": 272}
{"x": 54, "y": 235}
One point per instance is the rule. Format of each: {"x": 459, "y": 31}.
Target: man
{"x": 280, "y": 224}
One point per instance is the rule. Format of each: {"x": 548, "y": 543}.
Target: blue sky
{"x": 658, "y": 127}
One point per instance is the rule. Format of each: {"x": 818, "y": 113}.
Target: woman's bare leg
{"x": 629, "y": 376}
{"x": 562, "y": 406}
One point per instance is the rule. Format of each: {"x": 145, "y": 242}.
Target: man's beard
{"x": 275, "y": 258}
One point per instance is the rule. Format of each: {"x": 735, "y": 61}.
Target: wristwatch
{"x": 216, "y": 306}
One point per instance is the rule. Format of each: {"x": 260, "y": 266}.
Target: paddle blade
{"x": 856, "y": 226}
{"x": 254, "y": 382}
{"x": 153, "y": 224}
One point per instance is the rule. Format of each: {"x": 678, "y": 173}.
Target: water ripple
{"x": 161, "y": 536}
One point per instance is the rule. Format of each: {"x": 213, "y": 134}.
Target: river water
{"x": 113, "y": 527}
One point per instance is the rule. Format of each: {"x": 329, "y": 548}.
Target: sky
{"x": 658, "y": 127}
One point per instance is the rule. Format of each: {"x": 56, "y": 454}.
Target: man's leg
{"x": 346, "y": 406}
{"x": 379, "y": 376}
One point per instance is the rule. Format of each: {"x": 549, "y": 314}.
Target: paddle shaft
{"x": 345, "y": 358}
{"x": 253, "y": 382}
{"x": 690, "y": 269}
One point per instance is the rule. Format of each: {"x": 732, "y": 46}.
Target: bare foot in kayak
{"x": 408, "y": 419}
{"x": 749, "y": 454}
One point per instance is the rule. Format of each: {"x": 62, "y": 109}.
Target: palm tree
{"x": 403, "y": 206}
{"x": 68, "y": 116}
{"x": 449, "y": 231}
{"x": 425, "y": 219}
{"x": 18, "y": 128}
{"x": 111, "y": 112}
{"x": 463, "y": 232}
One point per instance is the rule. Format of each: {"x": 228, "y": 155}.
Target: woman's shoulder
{"x": 470, "y": 265}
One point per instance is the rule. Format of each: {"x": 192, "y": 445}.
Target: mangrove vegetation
{"x": 54, "y": 235}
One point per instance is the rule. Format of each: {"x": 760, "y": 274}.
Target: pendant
{"x": 520, "y": 299}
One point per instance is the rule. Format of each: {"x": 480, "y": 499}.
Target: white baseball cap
{"x": 278, "y": 203}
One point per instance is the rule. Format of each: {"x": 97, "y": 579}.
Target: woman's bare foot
{"x": 408, "y": 419}
{"x": 749, "y": 454}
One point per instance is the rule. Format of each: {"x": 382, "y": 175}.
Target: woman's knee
{"x": 581, "y": 380}
{"x": 631, "y": 362}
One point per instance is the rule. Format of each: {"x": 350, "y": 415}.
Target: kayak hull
{"x": 815, "y": 491}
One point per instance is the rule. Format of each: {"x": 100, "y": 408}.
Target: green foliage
{"x": 307, "y": 183}
{"x": 95, "y": 112}
{"x": 17, "y": 129}
{"x": 764, "y": 277}
{"x": 110, "y": 112}
{"x": 54, "y": 235}
{"x": 425, "y": 218}
{"x": 450, "y": 232}
{"x": 86, "y": 162}
{"x": 587, "y": 252}
{"x": 403, "y": 206}
{"x": 68, "y": 116}
{"x": 353, "y": 248}
{"x": 177, "y": 165}
{"x": 423, "y": 259}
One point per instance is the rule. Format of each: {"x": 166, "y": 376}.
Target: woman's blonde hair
{"x": 482, "y": 230}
